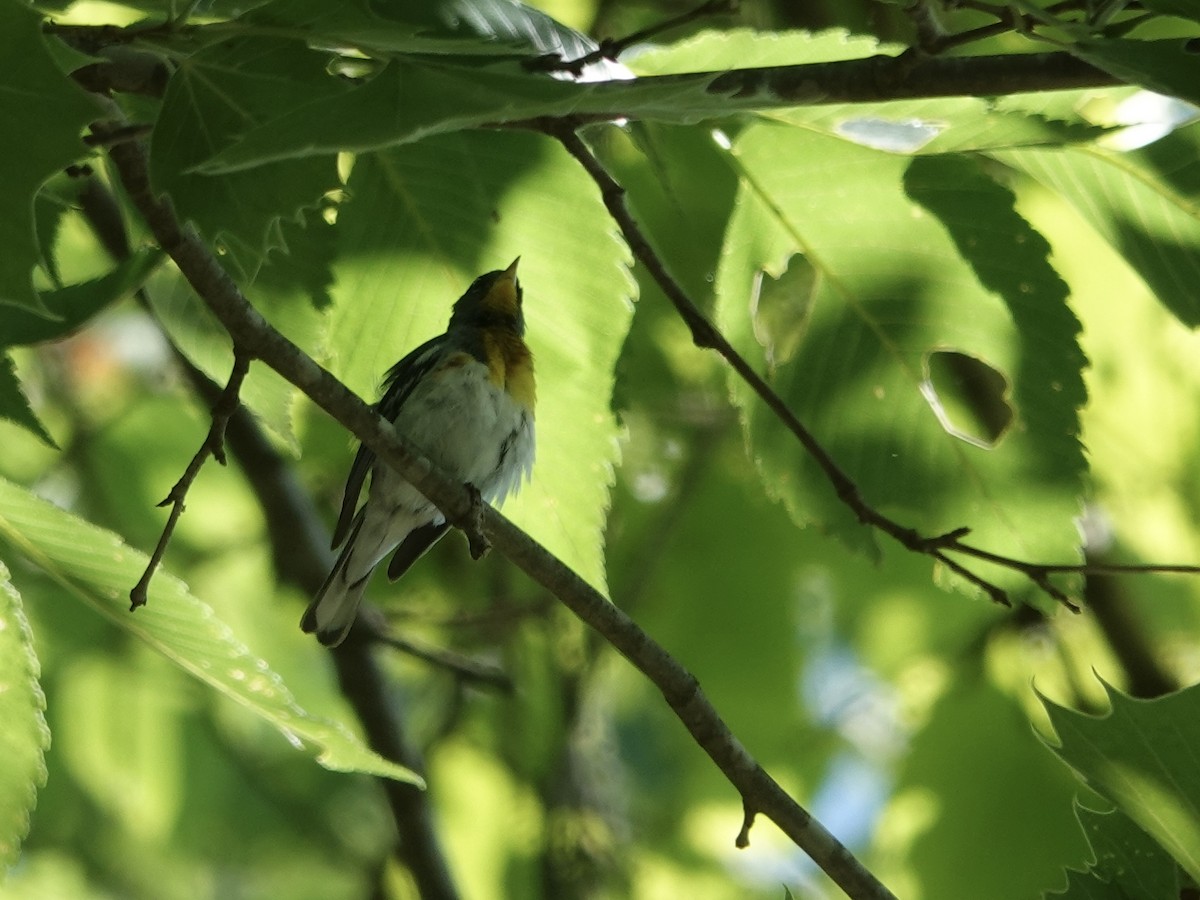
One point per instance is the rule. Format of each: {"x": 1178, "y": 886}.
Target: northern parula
{"x": 466, "y": 400}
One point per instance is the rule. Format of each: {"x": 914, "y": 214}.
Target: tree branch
{"x": 251, "y": 332}
{"x": 300, "y": 550}
{"x": 874, "y": 79}
{"x": 464, "y": 668}
{"x": 877, "y": 79}
{"x": 214, "y": 446}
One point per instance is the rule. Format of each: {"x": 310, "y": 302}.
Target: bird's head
{"x": 492, "y": 300}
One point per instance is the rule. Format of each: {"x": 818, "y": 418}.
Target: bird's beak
{"x": 511, "y": 271}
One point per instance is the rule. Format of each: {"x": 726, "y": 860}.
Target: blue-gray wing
{"x": 398, "y": 385}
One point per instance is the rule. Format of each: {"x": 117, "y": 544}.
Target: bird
{"x": 466, "y": 400}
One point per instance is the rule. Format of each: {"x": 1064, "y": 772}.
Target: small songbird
{"x": 466, "y": 400}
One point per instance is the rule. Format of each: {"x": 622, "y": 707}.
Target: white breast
{"x": 472, "y": 429}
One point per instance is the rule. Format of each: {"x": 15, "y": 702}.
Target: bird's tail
{"x": 333, "y": 609}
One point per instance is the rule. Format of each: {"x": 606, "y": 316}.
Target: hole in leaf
{"x": 969, "y": 397}
{"x": 779, "y": 308}
{"x": 907, "y": 136}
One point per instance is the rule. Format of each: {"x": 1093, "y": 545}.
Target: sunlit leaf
{"x": 930, "y": 125}
{"x": 1146, "y": 203}
{"x": 891, "y": 286}
{"x": 24, "y": 736}
{"x": 98, "y": 569}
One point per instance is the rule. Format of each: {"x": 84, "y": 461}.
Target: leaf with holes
{"x": 908, "y": 260}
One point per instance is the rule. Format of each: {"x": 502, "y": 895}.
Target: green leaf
{"x": 216, "y": 95}
{"x": 1146, "y": 203}
{"x": 1048, "y": 384}
{"x": 424, "y": 26}
{"x": 423, "y": 221}
{"x": 14, "y": 405}
{"x": 844, "y": 291}
{"x": 24, "y": 736}
{"x": 1166, "y": 66}
{"x": 58, "y": 196}
{"x": 940, "y": 125}
{"x": 717, "y": 51}
{"x": 69, "y": 307}
{"x": 1127, "y": 864}
{"x": 44, "y": 113}
{"x": 410, "y": 100}
{"x": 96, "y": 568}
{"x": 1185, "y": 9}
{"x": 403, "y": 103}
{"x": 1142, "y": 757}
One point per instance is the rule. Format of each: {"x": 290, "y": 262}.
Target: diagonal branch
{"x": 705, "y": 334}
{"x": 300, "y": 551}
{"x": 214, "y": 446}
{"x": 255, "y": 336}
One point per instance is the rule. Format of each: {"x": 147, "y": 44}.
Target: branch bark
{"x": 253, "y": 335}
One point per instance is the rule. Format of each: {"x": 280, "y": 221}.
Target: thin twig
{"x": 300, "y": 549}
{"x": 464, "y": 668}
{"x": 1007, "y": 19}
{"x": 611, "y": 48}
{"x": 214, "y": 446}
{"x": 681, "y": 690}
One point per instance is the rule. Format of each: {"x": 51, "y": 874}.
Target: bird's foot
{"x": 472, "y": 524}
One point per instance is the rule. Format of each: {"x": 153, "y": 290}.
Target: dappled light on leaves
{"x": 895, "y": 268}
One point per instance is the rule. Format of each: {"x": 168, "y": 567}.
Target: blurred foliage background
{"x": 910, "y": 719}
